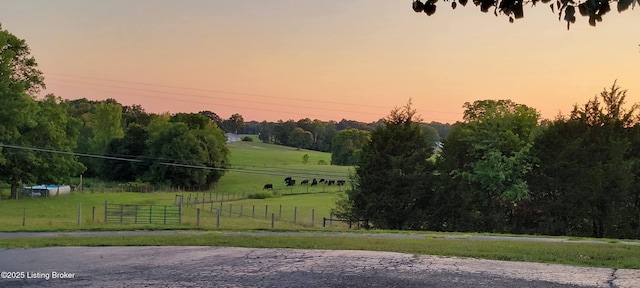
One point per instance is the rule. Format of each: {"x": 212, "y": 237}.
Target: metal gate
{"x": 142, "y": 214}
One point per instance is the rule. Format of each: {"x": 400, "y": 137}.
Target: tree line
{"x": 179, "y": 150}
{"x": 504, "y": 170}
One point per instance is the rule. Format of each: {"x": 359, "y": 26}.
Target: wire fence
{"x": 188, "y": 210}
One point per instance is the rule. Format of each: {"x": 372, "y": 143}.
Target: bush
{"x": 322, "y": 162}
{"x": 137, "y": 186}
{"x": 247, "y": 138}
{"x": 260, "y": 195}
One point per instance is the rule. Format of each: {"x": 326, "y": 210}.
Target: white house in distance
{"x": 46, "y": 190}
{"x": 232, "y": 137}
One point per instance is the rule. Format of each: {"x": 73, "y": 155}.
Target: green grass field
{"x": 254, "y": 164}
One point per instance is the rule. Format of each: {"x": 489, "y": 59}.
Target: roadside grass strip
{"x": 609, "y": 255}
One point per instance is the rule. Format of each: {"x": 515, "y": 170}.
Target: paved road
{"x": 251, "y": 267}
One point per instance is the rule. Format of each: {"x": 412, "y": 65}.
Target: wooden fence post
{"x": 280, "y": 213}
{"x": 24, "y": 215}
{"x": 313, "y": 212}
{"x": 79, "y": 212}
{"x": 93, "y": 214}
{"x": 180, "y": 213}
{"x": 253, "y": 212}
{"x": 273, "y": 216}
{"x": 198, "y": 217}
{"x": 218, "y": 219}
{"x": 105, "y": 211}
{"x": 295, "y": 213}
{"x": 266, "y": 208}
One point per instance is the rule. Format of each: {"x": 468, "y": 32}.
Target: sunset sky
{"x": 327, "y": 60}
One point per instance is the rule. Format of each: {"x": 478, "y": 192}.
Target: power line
{"x": 234, "y": 106}
{"x": 233, "y": 93}
{"x": 158, "y": 162}
{"x": 199, "y": 96}
{"x": 230, "y": 92}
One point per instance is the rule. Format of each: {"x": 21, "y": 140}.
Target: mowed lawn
{"x": 253, "y": 165}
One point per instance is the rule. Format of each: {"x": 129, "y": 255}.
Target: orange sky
{"x": 291, "y": 59}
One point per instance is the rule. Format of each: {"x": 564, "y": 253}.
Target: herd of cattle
{"x": 291, "y": 182}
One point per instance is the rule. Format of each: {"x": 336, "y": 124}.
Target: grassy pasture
{"x": 61, "y": 213}
{"x": 254, "y": 164}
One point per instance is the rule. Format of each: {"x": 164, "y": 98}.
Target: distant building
{"x": 232, "y": 137}
{"x": 46, "y": 190}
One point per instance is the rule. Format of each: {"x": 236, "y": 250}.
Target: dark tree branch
{"x": 514, "y": 9}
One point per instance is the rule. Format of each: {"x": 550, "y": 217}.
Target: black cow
{"x": 286, "y": 180}
{"x": 314, "y": 182}
{"x": 291, "y": 182}
{"x": 304, "y": 182}
{"x": 331, "y": 182}
{"x": 267, "y": 186}
{"x": 321, "y": 180}
{"x": 340, "y": 182}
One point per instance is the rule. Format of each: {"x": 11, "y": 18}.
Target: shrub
{"x": 322, "y": 162}
{"x": 137, "y": 186}
{"x": 247, "y": 138}
{"x": 260, "y": 195}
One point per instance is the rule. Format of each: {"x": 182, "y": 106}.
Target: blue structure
{"x": 46, "y": 190}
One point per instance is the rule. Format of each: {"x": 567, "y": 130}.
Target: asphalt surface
{"x": 250, "y": 267}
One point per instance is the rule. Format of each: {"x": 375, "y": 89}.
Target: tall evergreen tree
{"x": 391, "y": 184}
{"x": 585, "y": 183}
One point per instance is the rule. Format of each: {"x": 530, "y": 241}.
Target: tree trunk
{"x": 14, "y": 189}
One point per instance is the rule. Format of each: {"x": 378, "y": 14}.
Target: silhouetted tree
{"x": 514, "y": 9}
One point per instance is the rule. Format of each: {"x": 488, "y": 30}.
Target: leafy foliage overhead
{"x": 514, "y": 9}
